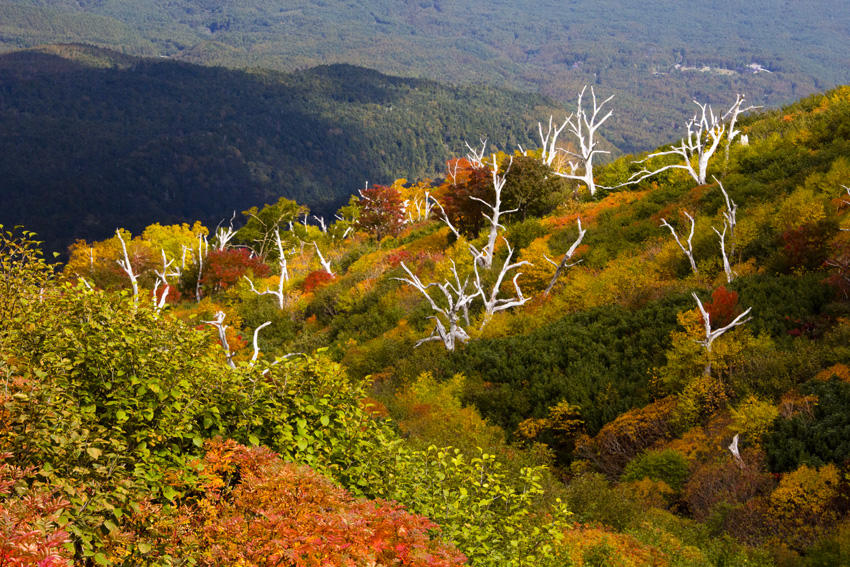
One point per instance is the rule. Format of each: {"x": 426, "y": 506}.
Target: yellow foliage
{"x": 802, "y": 207}
{"x": 593, "y": 546}
{"x": 563, "y": 420}
{"x": 803, "y": 499}
{"x": 432, "y": 411}
{"x": 702, "y": 397}
{"x": 687, "y": 359}
{"x": 536, "y": 276}
{"x": 750, "y": 225}
{"x": 830, "y": 182}
{"x": 172, "y": 238}
{"x": 650, "y": 493}
{"x": 437, "y": 240}
{"x": 753, "y": 417}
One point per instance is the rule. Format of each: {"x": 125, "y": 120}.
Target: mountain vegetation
{"x": 655, "y": 56}
{"x": 91, "y": 139}
{"x": 653, "y": 375}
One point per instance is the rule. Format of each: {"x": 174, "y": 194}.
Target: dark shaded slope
{"x": 85, "y": 147}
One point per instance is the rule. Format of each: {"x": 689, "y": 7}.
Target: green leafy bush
{"x": 667, "y": 465}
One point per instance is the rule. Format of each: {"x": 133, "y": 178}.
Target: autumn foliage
{"x": 262, "y": 511}
{"x": 382, "y": 212}
{"x": 226, "y": 267}
{"x": 29, "y": 534}
{"x": 316, "y": 280}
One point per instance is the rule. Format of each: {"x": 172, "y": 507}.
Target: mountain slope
{"x": 551, "y": 47}
{"x": 92, "y": 139}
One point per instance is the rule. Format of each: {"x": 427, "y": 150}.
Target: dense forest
{"x": 90, "y": 139}
{"x": 506, "y": 365}
{"x": 655, "y": 55}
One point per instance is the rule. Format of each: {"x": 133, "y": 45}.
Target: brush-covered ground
{"x": 590, "y": 425}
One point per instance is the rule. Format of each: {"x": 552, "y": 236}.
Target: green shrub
{"x": 668, "y": 466}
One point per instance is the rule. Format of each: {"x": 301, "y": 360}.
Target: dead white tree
{"x": 492, "y": 303}
{"x": 549, "y": 141}
{"x": 284, "y": 277}
{"x": 420, "y": 207}
{"x": 457, "y": 302}
{"x": 326, "y": 264}
{"x": 733, "y": 114}
{"x": 485, "y": 256}
{"x": 224, "y": 234}
{"x": 689, "y": 251}
{"x": 128, "y": 268}
{"x": 476, "y": 157}
{"x": 218, "y": 323}
{"x": 712, "y": 334}
{"x": 322, "y": 226}
{"x": 730, "y": 215}
{"x": 162, "y": 278}
{"x": 563, "y": 265}
{"x": 704, "y": 134}
{"x": 202, "y": 243}
{"x": 256, "y": 344}
{"x": 730, "y": 275}
{"x": 583, "y": 126}
{"x": 733, "y": 448}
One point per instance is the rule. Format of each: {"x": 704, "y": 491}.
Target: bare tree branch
{"x": 326, "y": 264}
{"x": 128, "y": 268}
{"x": 218, "y": 323}
{"x": 689, "y": 251}
{"x": 734, "y": 112}
{"x": 457, "y": 300}
{"x": 730, "y": 275}
{"x": 563, "y": 265}
{"x": 584, "y": 129}
{"x": 705, "y": 131}
{"x": 485, "y": 257}
{"x": 492, "y": 303}
{"x": 256, "y": 344}
{"x": 711, "y": 335}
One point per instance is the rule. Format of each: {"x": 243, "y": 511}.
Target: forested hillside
{"x": 523, "y": 362}
{"x": 656, "y": 55}
{"x": 90, "y": 139}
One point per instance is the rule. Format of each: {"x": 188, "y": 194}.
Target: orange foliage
{"x": 260, "y": 511}
{"x": 591, "y": 546}
{"x": 591, "y": 210}
{"x": 840, "y": 371}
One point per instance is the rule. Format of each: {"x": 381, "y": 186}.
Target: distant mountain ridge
{"x": 91, "y": 139}
{"x": 651, "y": 54}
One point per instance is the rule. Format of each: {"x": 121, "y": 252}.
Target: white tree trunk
{"x": 560, "y": 267}
{"x": 584, "y": 129}
{"x": 689, "y": 251}
{"x": 492, "y": 303}
{"x": 450, "y": 332}
{"x": 128, "y": 268}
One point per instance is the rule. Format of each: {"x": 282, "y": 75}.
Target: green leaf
{"x": 253, "y": 440}
{"x": 144, "y": 547}
{"x": 94, "y": 452}
{"x": 197, "y": 441}
{"x": 101, "y": 559}
{"x": 302, "y": 444}
{"x": 110, "y": 525}
{"x": 325, "y": 420}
